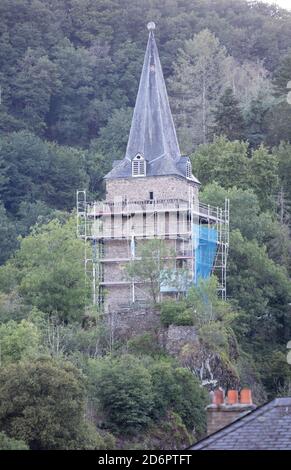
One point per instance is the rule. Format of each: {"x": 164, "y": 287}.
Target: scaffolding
{"x": 173, "y": 219}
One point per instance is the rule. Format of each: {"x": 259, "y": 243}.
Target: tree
{"x": 25, "y": 158}
{"x": 8, "y": 240}
{"x": 18, "y": 341}
{"x": 228, "y": 117}
{"x": 263, "y": 176}
{"x": 47, "y": 410}
{"x": 36, "y": 213}
{"x": 253, "y": 223}
{"x": 48, "y": 271}
{"x": 223, "y": 162}
{"x": 66, "y": 175}
{"x": 281, "y": 77}
{"x": 113, "y": 137}
{"x": 196, "y": 87}
{"x": 255, "y": 116}
{"x": 229, "y": 164}
{"x": 35, "y": 83}
{"x": 150, "y": 266}
{"x": 81, "y": 105}
{"x": 109, "y": 146}
{"x": 262, "y": 291}
{"x": 247, "y": 80}
{"x": 35, "y": 170}
{"x": 122, "y": 386}
{"x": 176, "y": 389}
{"x": 245, "y": 209}
{"x": 283, "y": 154}
{"x": 277, "y": 121}
{"x": 7, "y": 443}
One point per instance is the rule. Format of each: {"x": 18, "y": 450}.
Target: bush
{"x": 175, "y": 313}
{"x": 18, "y": 341}
{"x": 48, "y": 406}
{"x": 144, "y": 344}
{"x": 7, "y": 443}
{"x": 175, "y": 388}
{"x": 123, "y": 389}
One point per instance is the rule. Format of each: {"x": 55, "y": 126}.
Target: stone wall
{"x": 127, "y": 323}
{"x": 138, "y": 189}
{"x": 174, "y": 338}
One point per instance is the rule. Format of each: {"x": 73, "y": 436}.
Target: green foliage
{"x": 150, "y": 266}
{"x": 8, "y": 241}
{"x": 228, "y": 117}
{"x": 215, "y": 336}
{"x": 113, "y": 137}
{"x": 274, "y": 370}
{"x": 256, "y": 117}
{"x": 169, "y": 433}
{"x": 247, "y": 217}
{"x": 245, "y": 209}
{"x": 263, "y": 176}
{"x": 47, "y": 410}
{"x": 229, "y": 164}
{"x": 145, "y": 344}
{"x": 123, "y": 389}
{"x": 18, "y": 341}
{"x": 7, "y": 443}
{"x": 282, "y": 75}
{"x": 48, "y": 270}
{"x": 196, "y": 86}
{"x": 223, "y": 162}
{"x": 176, "y": 389}
{"x": 262, "y": 289}
{"x": 37, "y": 170}
{"x": 207, "y": 307}
{"x": 69, "y": 79}
{"x": 132, "y": 394}
{"x": 277, "y": 123}
{"x": 36, "y": 213}
{"x": 62, "y": 339}
{"x": 283, "y": 153}
{"x": 175, "y": 313}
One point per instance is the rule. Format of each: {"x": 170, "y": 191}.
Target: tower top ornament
{"x": 151, "y": 26}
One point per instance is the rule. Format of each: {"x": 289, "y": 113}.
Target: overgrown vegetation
{"x": 69, "y": 78}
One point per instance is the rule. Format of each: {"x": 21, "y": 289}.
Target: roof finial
{"x": 151, "y": 26}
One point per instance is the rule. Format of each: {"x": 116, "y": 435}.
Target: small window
{"x": 151, "y": 195}
{"x": 138, "y": 166}
{"x": 188, "y": 170}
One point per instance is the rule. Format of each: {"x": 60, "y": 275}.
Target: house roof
{"x": 152, "y": 132}
{"x": 266, "y": 428}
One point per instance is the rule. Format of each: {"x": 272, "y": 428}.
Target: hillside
{"x": 69, "y": 72}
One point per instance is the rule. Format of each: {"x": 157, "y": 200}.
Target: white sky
{"x": 281, "y": 3}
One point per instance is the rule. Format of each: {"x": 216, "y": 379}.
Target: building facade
{"x": 151, "y": 194}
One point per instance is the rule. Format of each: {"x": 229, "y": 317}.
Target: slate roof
{"x": 266, "y": 428}
{"x": 152, "y": 132}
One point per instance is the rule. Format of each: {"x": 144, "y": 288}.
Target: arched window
{"x": 138, "y": 166}
{"x": 188, "y": 170}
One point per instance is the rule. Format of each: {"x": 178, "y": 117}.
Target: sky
{"x": 281, "y": 3}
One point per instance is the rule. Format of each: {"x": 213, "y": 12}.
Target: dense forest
{"x": 69, "y": 72}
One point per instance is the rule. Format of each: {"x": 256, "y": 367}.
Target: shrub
{"x": 175, "y": 313}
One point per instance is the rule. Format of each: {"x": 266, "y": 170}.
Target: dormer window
{"x": 188, "y": 170}
{"x": 138, "y": 165}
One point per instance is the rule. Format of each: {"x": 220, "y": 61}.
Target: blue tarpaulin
{"x": 205, "y": 246}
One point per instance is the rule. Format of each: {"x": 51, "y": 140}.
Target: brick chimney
{"x": 226, "y": 410}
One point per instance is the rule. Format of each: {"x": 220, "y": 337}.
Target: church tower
{"x": 151, "y": 193}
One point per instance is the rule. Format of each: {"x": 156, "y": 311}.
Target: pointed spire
{"x": 152, "y": 130}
